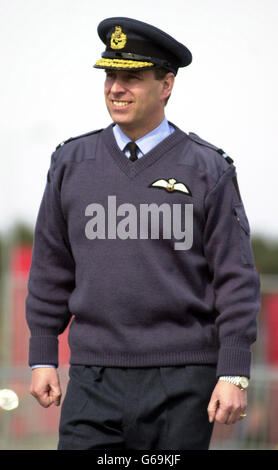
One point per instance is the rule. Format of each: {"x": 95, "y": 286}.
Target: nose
{"x": 117, "y": 87}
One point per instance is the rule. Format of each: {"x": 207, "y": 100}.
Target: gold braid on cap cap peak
{"x": 128, "y": 64}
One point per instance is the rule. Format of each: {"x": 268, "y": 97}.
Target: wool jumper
{"x": 149, "y": 261}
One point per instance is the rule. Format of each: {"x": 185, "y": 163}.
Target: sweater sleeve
{"x": 51, "y": 277}
{"x": 235, "y": 279}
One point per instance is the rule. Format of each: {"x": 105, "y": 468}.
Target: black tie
{"x": 132, "y": 147}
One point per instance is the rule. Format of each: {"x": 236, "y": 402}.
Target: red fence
{"x": 19, "y": 272}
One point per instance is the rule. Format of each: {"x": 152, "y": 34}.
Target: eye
{"x": 132, "y": 76}
{"x": 110, "y": 74}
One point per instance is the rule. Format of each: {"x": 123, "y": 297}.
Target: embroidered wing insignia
{"x": 172, "y": 185}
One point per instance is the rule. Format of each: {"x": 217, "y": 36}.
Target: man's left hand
{"x": 227, "y": 403}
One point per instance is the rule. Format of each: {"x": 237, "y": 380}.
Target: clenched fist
{"x": 45, "y": 386}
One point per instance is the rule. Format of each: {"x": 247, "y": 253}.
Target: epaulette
{"x": 77, "y": 137}
{"x": 200, "y": 141}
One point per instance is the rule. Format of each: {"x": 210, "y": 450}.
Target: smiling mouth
{"x": 120, "y": 104}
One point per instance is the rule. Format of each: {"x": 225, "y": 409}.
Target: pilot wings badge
{"x": 171, "y": 185}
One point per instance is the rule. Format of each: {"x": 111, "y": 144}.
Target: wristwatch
{"x": 241, "y": 382}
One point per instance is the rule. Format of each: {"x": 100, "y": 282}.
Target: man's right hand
{"x": 45, "y": 386}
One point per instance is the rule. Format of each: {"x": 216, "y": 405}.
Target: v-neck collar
{"x": 148, "y": 141}
{"x": 130, "y": 168}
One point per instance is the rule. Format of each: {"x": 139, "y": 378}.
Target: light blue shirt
{"x": 148, "y": 141}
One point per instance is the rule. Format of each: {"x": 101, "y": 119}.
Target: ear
{"x": 167, "y": 85}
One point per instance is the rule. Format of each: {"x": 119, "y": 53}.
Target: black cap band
{"x": 131, "y": 56}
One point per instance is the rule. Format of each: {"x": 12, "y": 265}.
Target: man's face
{"x": 135, "y": 100}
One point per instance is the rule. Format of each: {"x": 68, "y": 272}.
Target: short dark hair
{"x": 159, "y": 74}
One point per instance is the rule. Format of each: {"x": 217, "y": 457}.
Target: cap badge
{"x": 118, "y": 39}
{"x": 171, "y": 185}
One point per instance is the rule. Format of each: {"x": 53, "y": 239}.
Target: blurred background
{"x": 50, "y": 92}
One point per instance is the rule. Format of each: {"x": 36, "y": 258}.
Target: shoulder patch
{"x": 227, "y": 158}
{"x": 77, "y": 137}
{"x": 200, "y": 141}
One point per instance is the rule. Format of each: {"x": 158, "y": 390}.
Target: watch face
{"x": 244, "y": 382}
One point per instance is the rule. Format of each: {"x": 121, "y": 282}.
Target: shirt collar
{"x": 148, "y": 141}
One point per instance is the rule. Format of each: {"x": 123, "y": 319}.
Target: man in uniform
{"x": 142, "y": 244}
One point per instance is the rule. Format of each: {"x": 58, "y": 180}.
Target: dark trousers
{"x": 140, "y": 408}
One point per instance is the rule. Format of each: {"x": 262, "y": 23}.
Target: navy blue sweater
{"x": 150, "y": 260}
